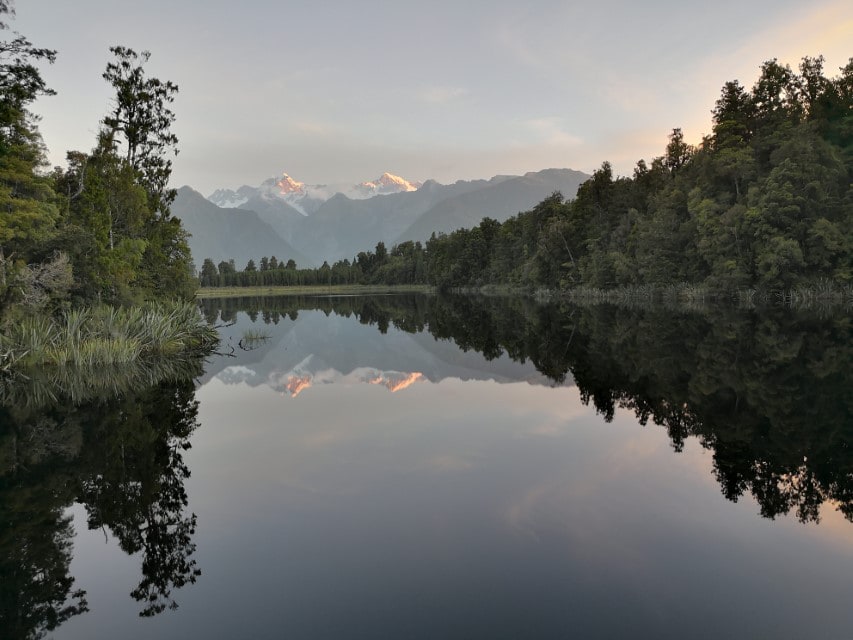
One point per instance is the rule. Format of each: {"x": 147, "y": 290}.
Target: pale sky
{"x": 341, "y": 91}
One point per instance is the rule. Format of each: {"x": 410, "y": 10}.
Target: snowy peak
{"x": 288, "y": 186}
{"x": 307, "y": 198}
{"x": 230, "y": 199}
{"x": 387, "y": 183}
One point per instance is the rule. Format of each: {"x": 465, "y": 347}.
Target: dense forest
{"x": 100, "y": 229}
{"x": 94, "y": 269}
{"x": 764, "y": 202}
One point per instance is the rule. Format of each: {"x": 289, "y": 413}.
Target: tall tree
{"x": 28, "y": 214}
{"x": 141, "y": 121}
{"x": 139, "y": 127}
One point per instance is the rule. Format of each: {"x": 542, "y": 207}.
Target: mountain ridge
{"x": 318, "y": 228}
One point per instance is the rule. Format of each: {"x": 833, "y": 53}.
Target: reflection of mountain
{"x": 302, "y": 377}
{"x": 768, "y": 393}
{"x": 317, "y": 349}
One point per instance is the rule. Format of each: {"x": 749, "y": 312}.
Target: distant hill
{"x": 342, "y": 227}
{"x": 500, "y": 201}
{"x": 224, "y": 234}
{"x": 277, "y": 213}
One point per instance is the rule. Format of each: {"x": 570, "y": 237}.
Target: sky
{"x": 341, "y": 91}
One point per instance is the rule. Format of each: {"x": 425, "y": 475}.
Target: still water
{"x": 423, "y": 467}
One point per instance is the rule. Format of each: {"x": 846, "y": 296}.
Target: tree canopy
{"x": 104, "y": 218}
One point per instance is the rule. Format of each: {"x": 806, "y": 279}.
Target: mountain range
{"x": 316, "y": 223}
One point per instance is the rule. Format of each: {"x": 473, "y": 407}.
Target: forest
{"x": 99, "y": 230}
{"x": 77, "y": 243}
{"x": 765, "y": 202}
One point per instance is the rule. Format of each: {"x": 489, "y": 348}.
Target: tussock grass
{"x": 106, "y": 336}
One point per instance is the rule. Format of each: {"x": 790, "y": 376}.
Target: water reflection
{"x": 121, "y": 457}
{"x": 493, "y": 511}
{"x": 768, "y": 393}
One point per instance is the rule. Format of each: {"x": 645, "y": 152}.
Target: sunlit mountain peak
{"x": 288, "y": 185}
{"x": 389, "y": 183}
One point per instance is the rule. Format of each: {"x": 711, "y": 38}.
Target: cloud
{"x": 442, "y": 94}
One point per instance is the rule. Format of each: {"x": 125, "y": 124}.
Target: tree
{"x": 140, "y": 121}
{"x": 140, "y": 125}
{"x": 209, "y": 273}
{"x": 678, "y": 152}
{"x": 28, "y": 214}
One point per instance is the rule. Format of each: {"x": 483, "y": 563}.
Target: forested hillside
{"x": 763, "y": 202}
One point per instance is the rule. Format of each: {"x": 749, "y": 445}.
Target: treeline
{"x": 99, "y": 230}
{"x": 405, "y": 264}
{"x": 765, "y": 201}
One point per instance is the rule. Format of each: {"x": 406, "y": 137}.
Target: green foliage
{"x": 103, "y": 335}
{"x": 124, "y": 245}
{"x": 140, "y": 122}
{"x": 765, "y": 202}
{"x": 28, "y": 212}
{"x": 108, "y": 211}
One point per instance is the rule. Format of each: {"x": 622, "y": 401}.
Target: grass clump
{"x": 106, "y": 336}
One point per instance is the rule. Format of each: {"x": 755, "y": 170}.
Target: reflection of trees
{"x": 36, "y": 591}
{"x": 768, "y": 393}
{"x": 121, "y": 457}
{"x": 139, "y": 491}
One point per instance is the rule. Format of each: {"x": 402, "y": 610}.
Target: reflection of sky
{"x": 473, "y": 509}
{"x": 318, "y": 349}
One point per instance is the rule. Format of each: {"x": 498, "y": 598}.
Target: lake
{"x": 443, "y": 467}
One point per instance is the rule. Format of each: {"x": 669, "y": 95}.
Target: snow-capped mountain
{"x": 307, "y": 198}
{"x": 333, "y": 222}
{"x": 231, "y": 199}
{"x": 386, "y": 183}
{"x": 288, "y": 186}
